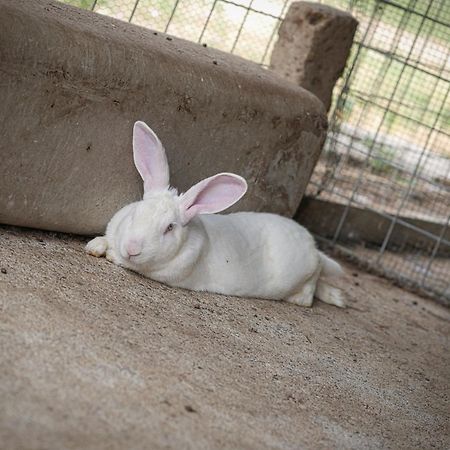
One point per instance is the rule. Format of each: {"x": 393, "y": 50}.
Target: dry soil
{"x": 96, "y": 357}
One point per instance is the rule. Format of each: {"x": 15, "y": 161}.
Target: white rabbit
{"x": 178, "y": 240}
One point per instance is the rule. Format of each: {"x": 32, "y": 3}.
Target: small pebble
{"x": 3, "y": 270}
{"x": 215, "y": 62}
{"x": 189, "y": 408}
{"x": 204, "y": 45}
{"x": 168, "y": 38}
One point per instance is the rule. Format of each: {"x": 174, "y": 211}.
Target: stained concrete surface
{"x": 73, "y": 82}
{"x": 94, "y": 356}
{"x": 314, "y": 42}
{"x": 362, "y": 225}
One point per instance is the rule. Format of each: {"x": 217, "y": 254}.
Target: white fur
{"x": 244, "y": 254}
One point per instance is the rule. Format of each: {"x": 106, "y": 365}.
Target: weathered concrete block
{"x": 363, "y": 226}
{"x": 313, "y": 46}
{"x": 72, "y": 85}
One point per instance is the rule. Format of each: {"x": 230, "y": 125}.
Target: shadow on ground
{"x": 94, "y": 356}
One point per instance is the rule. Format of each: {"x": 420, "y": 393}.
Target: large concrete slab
{"x": 73, "y": 83}
{"x": 322, "y": 217}
{"x": 96, "y": 357}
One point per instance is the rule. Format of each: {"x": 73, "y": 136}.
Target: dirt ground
{"x": 94, "y": 356}
{"x": 384, "y": 191}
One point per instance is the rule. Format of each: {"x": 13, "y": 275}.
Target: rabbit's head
{"x": 153, "y": 230}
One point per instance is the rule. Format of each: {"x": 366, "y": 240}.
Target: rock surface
{"x": 96, "y": 357}
{"x": 313, "y": 45}
{"x": 74, "y": 82}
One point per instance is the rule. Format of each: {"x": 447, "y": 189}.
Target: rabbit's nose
{"x": 133, "y": 247}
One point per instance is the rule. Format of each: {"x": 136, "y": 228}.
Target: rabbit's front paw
{"x": 97, "y": 246}
{"x": 111, "y": 256}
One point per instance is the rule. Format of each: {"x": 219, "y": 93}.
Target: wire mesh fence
{"x": 388, "y": 146}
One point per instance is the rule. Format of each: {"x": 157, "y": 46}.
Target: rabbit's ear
{"x": 150, "y": 158}
{"x": 212, "y": 195}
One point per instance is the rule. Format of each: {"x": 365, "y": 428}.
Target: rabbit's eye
{"x": 169, "y": 228}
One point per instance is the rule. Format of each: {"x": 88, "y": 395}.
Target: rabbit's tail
{"x": 330, "y": 268}
{"x": 325, "y": 291}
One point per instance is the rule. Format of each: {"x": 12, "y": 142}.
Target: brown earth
{"x": 94, "y": 356}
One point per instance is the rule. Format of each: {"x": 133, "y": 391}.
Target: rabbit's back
{"x": 253, "y": 254}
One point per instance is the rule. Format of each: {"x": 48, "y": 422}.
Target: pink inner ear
{"x": 150, "y": 158}
{"x": 220, "y": 193}
{"x": 212, "y": 195}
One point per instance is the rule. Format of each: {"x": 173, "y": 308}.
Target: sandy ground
{"x": 94, "y": 356}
